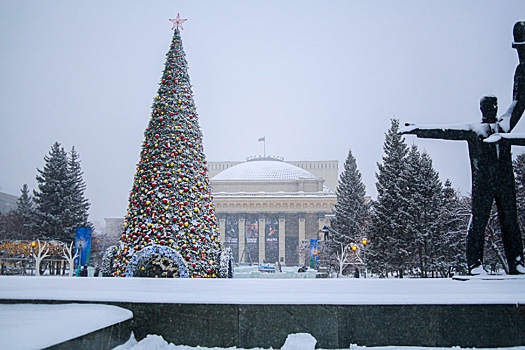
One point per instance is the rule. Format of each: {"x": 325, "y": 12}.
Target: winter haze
{"x": 314, "y": 77}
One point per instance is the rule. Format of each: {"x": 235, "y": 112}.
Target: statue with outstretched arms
{"x": 489, "y": 145}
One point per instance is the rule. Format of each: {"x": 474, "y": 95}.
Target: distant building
{"x": 7, "y": 203}
{"x": 114, "y": 227}
{"x": 267, "y": 207}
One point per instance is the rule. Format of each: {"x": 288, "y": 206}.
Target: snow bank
{"x": 299, "y": 341}
{"x": 37, "y": 326}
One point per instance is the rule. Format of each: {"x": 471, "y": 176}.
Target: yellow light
{"x": 364, "y": 241}
{"x": 354, "y": 248}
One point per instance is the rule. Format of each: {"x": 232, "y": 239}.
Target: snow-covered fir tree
{"x": 519, "y": 174}
{"x": 351, "y": 208}
{"x": 424, "y": 193}
{"x": 52, "y": 199}
{"x": 18, "y": 224}
{"x": 26, "y": 211}
{"x": 60, "y": 190}
{"x": 79, "y": 203}
{"x": 387, "y": 251}
{"x": 10, "y": 224}
{"x": 494, "y": 256}
{"x": 351, "y": 212}
{"x": 170, "y": 228}
{"x": 454, "y": 216}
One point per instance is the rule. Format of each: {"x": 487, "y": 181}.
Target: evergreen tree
{"x": 454, "y": 215}
{"x": 351, "y": 209}
{"x": 411, "y": 241}
{"x": 424, "y": 194}
{"x": 389, "y": 219}
{"x": 170, "y": 212}
{"x": 519, "y": 173}
{"x": 10, "y": 224}
{"x": 494, "y": 256}
{"x": 26, "y": 211}
{"x": 79, "y": 204}
{"x": 53, "y": 198}
{"x": 18, "y": 224}
{"x": 60, "y": 205}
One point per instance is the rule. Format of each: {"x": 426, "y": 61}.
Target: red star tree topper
{"x": 177, "y": 22}
{"x": 170, "y": 203}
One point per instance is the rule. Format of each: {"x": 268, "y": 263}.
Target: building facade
{"x": 7, "y": 203}
{"x": 268, "y": 208}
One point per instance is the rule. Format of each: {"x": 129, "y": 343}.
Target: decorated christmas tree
{"x": 170, "y": 229}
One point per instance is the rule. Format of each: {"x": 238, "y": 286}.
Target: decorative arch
{"x": 167, "y": 252}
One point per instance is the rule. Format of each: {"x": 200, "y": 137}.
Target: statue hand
{"x": 494, "y": 138}
{"x": 408, "y": 129}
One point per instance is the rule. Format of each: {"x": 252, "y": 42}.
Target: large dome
{"x": 263, "y": 169}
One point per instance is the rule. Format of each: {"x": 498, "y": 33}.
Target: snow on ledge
{"x": 38, "y": 326}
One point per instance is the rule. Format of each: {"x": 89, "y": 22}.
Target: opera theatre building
{"x": 267, "y": 207}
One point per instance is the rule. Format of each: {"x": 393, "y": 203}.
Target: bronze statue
{"x": 491, "y": 166}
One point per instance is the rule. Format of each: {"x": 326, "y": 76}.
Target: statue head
{"x": 489, "y": 108}
{"x": 519, "y": 40}
{"x": 519, "y": 34}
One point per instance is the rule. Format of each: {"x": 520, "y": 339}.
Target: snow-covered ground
{"x": 343, "y": 291}
{"x": 14, "y": 325}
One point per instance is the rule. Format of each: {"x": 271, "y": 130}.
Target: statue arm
{"x": 517, "y": 139}
{"x": 508, "y": 121}
{"x": 445, "y": 132}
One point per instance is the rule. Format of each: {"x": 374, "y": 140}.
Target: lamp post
{"x": 80, "y": 246}
{"x": 33, "y": 246}
{"x": 364, "y": 241}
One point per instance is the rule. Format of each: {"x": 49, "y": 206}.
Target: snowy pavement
{"x": 344, "y": 291}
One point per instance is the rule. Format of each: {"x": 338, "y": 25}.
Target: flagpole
{"x": 263, "y": 140}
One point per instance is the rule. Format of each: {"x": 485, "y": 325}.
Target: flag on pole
{"x": 261, "y": 139}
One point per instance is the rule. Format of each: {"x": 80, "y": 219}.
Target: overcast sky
{"x": 316, "y": 78}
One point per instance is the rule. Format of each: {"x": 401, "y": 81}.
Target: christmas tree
{"x": 170, "y": 229}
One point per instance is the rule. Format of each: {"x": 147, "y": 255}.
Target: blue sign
{"x": 83, "y": 246}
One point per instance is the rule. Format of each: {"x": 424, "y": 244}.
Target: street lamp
{"x": 80, "y": 246}
{"x": 33, "y": 246}
{"x": 364, "y": 241}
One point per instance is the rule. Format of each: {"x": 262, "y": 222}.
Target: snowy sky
{"x": 315, "y": 77}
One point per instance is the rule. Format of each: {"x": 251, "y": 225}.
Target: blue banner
{"x": 314, "y": 253}
{"x": 82, "y": 246}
